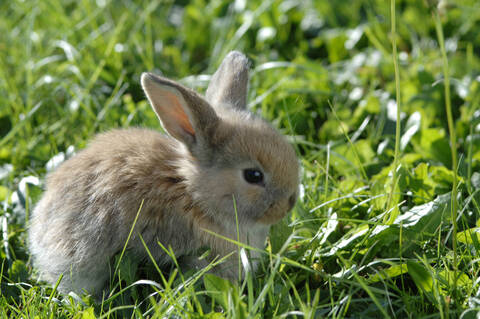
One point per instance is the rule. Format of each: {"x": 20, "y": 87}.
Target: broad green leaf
{"x": 336, "y": 46}
{"x": 5, "y": 152}
{"x": 390, "y": 272}
{"x": 226, "y": 294}
{"x": 18, "y": 272}
{"x": 88, "y": 313}
{"x": 434, "y": 145}
{"x": 3, "y": 193}
{"x": 411, "y": 158}
{"x": 214, "y": 315}
{"x": 421, "y": 276}
{"x": 421, "y": 219}
{"x": 372, "y": 104}
{"x": 412, "y": 127}
{"x": 127, "y": 268}
{"x": 279, "y": 233}
{"x": 329, "y": 228}
{"x": 442, "y": 178}
{"x": 348, "y": 239}
{"x": 347, "y": 157}
{"x": 218, "y": 289}
{"x": 368, "y": 105}
{"x": 421, "y": 184}
{"x": 470, "y": 236}
{"x": 448, "y": 277}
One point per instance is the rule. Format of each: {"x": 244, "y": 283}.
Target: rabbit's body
{"x": 97, "y": 192}
{"x": 190, "y": 183}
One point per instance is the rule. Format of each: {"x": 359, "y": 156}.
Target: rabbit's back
{"x": 91, "y": 201}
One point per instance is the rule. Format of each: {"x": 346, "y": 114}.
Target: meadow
{"x": 387, "y": 224}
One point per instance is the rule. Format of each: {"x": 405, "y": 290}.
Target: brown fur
{"x": 188, "y": 183}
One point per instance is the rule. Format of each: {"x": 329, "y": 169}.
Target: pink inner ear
{"x": 176, "y": 112}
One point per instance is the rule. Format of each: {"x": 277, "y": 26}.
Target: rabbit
{"x": 218, "y": 163}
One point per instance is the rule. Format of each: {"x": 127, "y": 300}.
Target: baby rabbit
{"x": 218, "y": 159}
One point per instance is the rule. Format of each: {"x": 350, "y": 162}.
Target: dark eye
{"x": 253, "y": 175}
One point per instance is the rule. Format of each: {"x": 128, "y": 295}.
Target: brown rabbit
{"x": 217, "y": 155}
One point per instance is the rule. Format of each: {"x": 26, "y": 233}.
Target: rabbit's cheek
{"x": 253, "y": 194}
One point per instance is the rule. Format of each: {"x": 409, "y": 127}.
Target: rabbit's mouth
{"x": 273, "y": 214}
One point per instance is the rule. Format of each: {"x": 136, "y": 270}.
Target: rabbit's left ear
{"x": 184, "y": 114}
{"x": 228, "y": 86}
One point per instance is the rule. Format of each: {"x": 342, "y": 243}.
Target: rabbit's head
{"x": 234, "y": 160}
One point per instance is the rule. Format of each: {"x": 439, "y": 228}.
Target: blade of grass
{"x": 391, "y": 217}
{"x": 54, "y": 290}
{"x": 453, "y": 141}
{"x": 327, "y": 166}
{"x": 128, "y": 239}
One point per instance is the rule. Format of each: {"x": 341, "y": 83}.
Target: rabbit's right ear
{"x": 184, "y": 114}
{"x": 228, "y": 85}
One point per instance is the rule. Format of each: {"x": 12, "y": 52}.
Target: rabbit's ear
{"x": 184, "y": 114}
{"x": 228, "y": 85}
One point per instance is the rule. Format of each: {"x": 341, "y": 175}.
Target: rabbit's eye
{"x": 253, "y": 176}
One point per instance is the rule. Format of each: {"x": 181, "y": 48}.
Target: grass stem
{"x": 393, "y": 214}
{"x": 453, "y": 141}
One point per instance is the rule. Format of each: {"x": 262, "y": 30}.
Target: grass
{"x": 453, "y": 142}
{"x": 393, "y": 215}
{"x": 323, "y": 73}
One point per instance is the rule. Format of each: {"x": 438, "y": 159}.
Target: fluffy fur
{"x": 188, "y": 182}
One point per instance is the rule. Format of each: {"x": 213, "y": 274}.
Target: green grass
{"x": 324, "y": 73}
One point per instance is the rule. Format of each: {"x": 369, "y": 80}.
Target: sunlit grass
{"x": 453, "y": 142}
{"x": 398, "y": 99}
